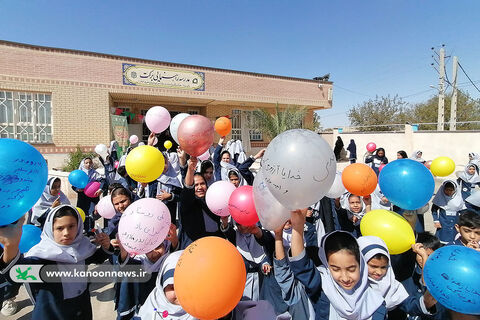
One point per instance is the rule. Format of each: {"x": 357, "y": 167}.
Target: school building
{"x": 58, "y": 99}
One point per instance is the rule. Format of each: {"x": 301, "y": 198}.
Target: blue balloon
{"x": 78, "y": 179}
{"x": 407, "y": 183}
{"x": 23, "y": 177}
{"x": 30, "y": 237}
{"x": 451, "y": 276}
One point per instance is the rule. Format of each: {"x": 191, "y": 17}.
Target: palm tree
{"x": 272, "y": 124}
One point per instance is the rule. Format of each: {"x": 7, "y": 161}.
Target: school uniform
{"x": 475, "y": 158}
{"x": 43, "y": 206}
{"x": 416, "y": 156}
{"x": 393, "y": 292}
{"x": 63, "y": 300}
{"x": 324, "y": 211}
{"x": 416, "y": 288}
{"x": 330, "y": 300}
{"x": 196, "y": 219}
{"x": 347, "y": 215}
{"x": 156, "y": 304}
{"x": 375, "y": 161}
{"x": 222, "y": 168}
{"x": 467, "y": 181}
{"x": 473, "y": 202}
{"x": 293, "y": 291}
{"x": 84, "y": 202}
{"x": 112, "y": 150}
{"x": 130, "y": 296}
{"x": 445, "y": 210}
{"x": 169, "y": 182}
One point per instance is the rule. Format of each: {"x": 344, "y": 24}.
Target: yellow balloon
{"x": 442, "y": 166}
{"x": 144, "y": 164}
{"x": 167, "y": 144}
{"x": 389, "y": 226}
{"x": 82, "y": 213}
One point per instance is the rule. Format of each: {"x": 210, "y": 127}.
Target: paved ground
{"x": 102, "y": 294}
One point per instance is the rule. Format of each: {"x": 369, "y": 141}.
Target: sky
{"x": 369, "y": 47}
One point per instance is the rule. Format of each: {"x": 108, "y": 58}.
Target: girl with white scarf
{"x": 468, "y": 180}
{"x": 65, "y": 248}
{"x": 256, "y": 261}
{"x": 169, "y": 188}
{"x": 354, "y": 208}
{"x": 447, "y": 203}
{"x": 162, "y": 302}
{"x": 417, "y": 156}
{"x": 474, "y": 158}
{"x": 51, "y": 197}
{"x": 339, "y": 288}
{"x": 382, "y": 279}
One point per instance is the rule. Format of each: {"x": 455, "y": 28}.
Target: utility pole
{"x": 441, "y": 93}
{"x": 453, "y": 106}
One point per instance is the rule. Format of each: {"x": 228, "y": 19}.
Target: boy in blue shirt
{"x": 468, "y": 226}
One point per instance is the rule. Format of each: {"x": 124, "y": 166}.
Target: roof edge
{"x": 170, "y": 64}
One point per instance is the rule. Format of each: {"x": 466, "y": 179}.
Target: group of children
{"x": 316, "y": 266}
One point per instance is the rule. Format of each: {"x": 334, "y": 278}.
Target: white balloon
{"x": 299, "y": 168}
{"x": 337, "y": 188}
{"x": 175, "y": 124}
{"x": 272, "y": 214}
{"x": 101, "y": 150}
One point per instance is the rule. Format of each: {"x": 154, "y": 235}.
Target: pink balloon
{"x": 217, "y": 197}
{"x": 204, "y": 156}
{"x": 115, "y": 164}
{"x": 196, "y": 134}
{"x": 428, "y": 163}
{"x": 381, "y": 167}
{"x": 144, "y": 225}
{"x": 105, "y": 207}
{"x": 91, "y": 188}
{"x": 157, "y": 119}
{"x": 242, "y": 206}
{"x": 371, "y": 147}
{"x": 133, "y": 139}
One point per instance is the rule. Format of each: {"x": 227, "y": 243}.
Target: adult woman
{"x": 196, "y": 220}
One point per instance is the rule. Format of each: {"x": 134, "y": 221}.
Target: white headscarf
{"x": 471, "y": 178}
{"x": 475, "y": 158}
{"x": 169, "y": 178}
{"x": 46, "y": 200}
{"x": 91, "y": 173}
{"x": 239, "y": 150}
{"x": 113, "y": 146}
{"x": 249, "y": 247}
{"x": 345, "y": 204}
{"x": 150, "y": 266}
{"x": 156, "y": 303}
{"x": 357, "y": 304}
{"x": 452, "y": 204}
{"x": 67, "y": 256}
{"x": 392, "y": 291}
{"x": 474, "y": 199}
{"x": 416, "y": 156}
{"x": 226, "y": 168}
{"x": 377, "y": 202}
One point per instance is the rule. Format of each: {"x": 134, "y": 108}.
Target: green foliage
{"x": 382, "y": 111}
{"x": 378, "y": 112}
{"x": 74, "y": 159}
{"x": 272, "y": 124}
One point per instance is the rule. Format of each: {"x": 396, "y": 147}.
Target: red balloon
{"x": 195, "y": 134}
{"x": 381, "y": 167}
{"x": 242, "y": 206}
{"x": 428, "y": 163}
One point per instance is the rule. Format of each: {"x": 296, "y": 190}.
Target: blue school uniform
{"x": 416, "y": 288}
{"x": 375, "y": 161}
{"x": 467, "y": 181}
{"x": 305, "y": 271}
{"x": 445, "y": 209}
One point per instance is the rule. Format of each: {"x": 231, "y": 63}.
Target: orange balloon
{"x": 359, "y": 179}
{"x": 223, "y": 126}
{"x": 209, "y": 278}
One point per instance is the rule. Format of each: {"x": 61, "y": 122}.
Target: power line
{"x": 468, "y": 77}
{"x": 362, "y": 94}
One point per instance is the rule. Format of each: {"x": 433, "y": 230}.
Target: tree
{"x": 272, "y": 124}
{"x": 376, "y": 114}
{"x": 468, "y": 109}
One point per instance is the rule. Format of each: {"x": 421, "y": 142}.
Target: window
{"x": 237, "y": 124}
{"x": 26, "y": 116}
{"x": 251, "y": 124}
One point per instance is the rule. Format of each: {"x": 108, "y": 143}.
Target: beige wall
{"x": 454, "y": 144}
